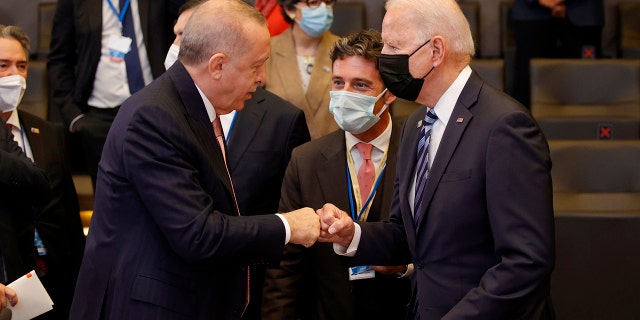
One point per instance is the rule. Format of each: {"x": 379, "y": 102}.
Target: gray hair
{"x": 440, "y": 17}
{"x": 218, "y": 27}
{"x": 16, "y": 33}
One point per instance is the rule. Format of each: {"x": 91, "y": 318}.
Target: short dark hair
{"x": 16, "y": 33}
{"x": 366, "y": 44}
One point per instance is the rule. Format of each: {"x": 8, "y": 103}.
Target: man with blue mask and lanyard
{"x": 353, "y": 168}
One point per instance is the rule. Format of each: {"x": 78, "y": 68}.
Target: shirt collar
{"x": 446, "y": 103}
{"x": 207, "y": 105}
{"x": 381, "y": 142}
{"x": 14, "y": 120}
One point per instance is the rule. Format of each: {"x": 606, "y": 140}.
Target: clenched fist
{"x": 305, "y": 226}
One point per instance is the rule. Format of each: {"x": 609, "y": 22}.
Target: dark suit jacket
{"x": 580, "y": 13}
{"x": 313, "y": 283}
{"x": 22, "y": 185}
{"x": 484, "y": 248}
{"x": 58, "y": 221}
{"x": 165, "y": 240}
{"x": 262, "y": 138}
{"x": 76, "y": 43}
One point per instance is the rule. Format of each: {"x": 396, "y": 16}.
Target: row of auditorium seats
{"x": 596, "y": 187}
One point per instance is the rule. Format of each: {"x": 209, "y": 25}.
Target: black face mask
{"x": 394, "y": 70}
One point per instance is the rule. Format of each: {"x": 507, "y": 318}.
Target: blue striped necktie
{"x": 422, "y": 166}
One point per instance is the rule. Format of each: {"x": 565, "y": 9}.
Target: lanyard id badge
{"x": 118, "y": 46}
{"x": 361, "y": 272}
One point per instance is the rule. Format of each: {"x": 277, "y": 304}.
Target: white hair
{"x": 440, "y": 17}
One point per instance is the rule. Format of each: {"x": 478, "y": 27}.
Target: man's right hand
{"x": 337, "y": 226}
{"x": 305, "y": 226}
{"x": 8, "y": 295}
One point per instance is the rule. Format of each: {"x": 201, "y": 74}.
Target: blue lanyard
{"x": 233, "y": 122}
{"x": 371, "y": 195}
{"x": 123, "y": 10}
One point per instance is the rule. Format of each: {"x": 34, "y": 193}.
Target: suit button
{"x": 419, "y": 265}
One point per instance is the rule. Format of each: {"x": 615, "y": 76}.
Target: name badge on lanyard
{"x": 119, "y": 45}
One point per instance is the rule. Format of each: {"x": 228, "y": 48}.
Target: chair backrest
{"x": 36, "y": 97}
{"x": 629, "y": 29}
{"x": 573, "y": 98}
{"x": 595, "y": 166}
{"x": 491, "y": 70}
{"x": 348, "y": 17}
{"x": 46, "y": 11}
{"x": 596, "y": 274}
{"x": 471, "y": 11}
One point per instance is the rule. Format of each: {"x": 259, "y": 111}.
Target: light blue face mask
{"x": 316, "y": 21}
{"x": 353, "y": 112}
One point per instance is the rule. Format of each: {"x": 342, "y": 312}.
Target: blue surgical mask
{"x": 11, "y": 92}
{"x": 316, "y": 21}
{"x": 353, "y": 112}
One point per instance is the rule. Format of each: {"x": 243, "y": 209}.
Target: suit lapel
{"x": 36, "y": 139}
{"x": 332, "y": 174}
{"x": 198, "y": 120}
{"x": 451, "y": 137}
{"x": 384, "y": 194}
{"x": 246, "y": 126}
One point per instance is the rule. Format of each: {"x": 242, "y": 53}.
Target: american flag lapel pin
{"x": 460, "y": 120}
{"x": 35, "y": 130}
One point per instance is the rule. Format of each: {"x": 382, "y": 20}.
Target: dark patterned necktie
{"x": 422, "y": 166}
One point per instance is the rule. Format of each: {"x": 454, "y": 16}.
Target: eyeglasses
{"x": 316, "y": 3}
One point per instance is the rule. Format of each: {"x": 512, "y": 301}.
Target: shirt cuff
{"x": 407, "y": 273}
{"x": 287, "y": 228}
{"x": 353, "y": 247}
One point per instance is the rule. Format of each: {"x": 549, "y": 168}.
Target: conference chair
{"x": 36, "y": 97}
{"x": 586, "y": 99}
{"x": 46, "y": 11}
{"x": 348, "y": 18}
{"x": 629, "y": 29}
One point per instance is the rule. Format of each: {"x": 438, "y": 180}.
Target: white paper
{"x": 33, "y": 299}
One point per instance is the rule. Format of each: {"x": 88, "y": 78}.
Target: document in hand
{"x": 33, "y": 299}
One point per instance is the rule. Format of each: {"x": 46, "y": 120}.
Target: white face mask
{"x": 353, "y": 111}
{"x": 11, "y": 91}
{"x": 172, "y": 56}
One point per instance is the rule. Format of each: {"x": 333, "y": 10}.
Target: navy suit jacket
{"x": 22, "y": 186}
{"x": 165, "y": 240}
{"x": 58, "y": 221}
{"x": 260, "y": 144}
{"x": 484, "y": 247}
{"x": 313, "y": 283}
{"x": 76, "y": 41}
{"x": 263, "y": 136}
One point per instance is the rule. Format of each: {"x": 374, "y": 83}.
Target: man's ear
{"x": 439, "y": 48}
{"x": 388, "y": 97}
{"x": 216, "y": 65}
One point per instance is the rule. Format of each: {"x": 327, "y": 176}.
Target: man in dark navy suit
{"x": 472, "y": 204}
